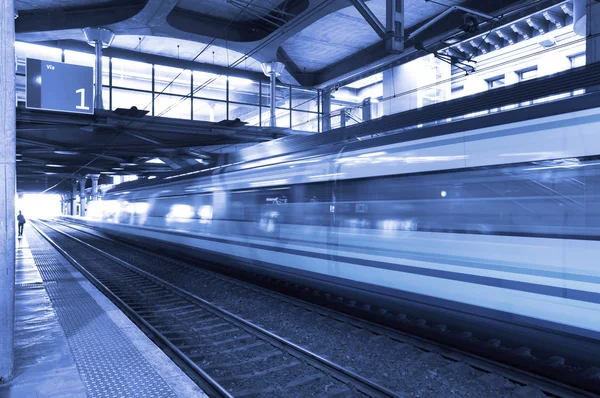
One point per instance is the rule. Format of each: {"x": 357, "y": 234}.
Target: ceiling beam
{"x": 370, "y": 17}
{"x": 52, "y": 19}
{"x": 376, "y": 58}
{"x": 156, "y": 59}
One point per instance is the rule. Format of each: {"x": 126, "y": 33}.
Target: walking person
{"x": 21, "y": 220}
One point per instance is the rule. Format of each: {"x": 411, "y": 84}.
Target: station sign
{"x": 56, "y": 86}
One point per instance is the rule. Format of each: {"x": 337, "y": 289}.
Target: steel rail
{"x": 519, "y": 376}
{"x": 346, "y": 376}
{"x": 207, "y": 383}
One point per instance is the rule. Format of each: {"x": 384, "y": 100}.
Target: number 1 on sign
{"x": 81, "y": 91}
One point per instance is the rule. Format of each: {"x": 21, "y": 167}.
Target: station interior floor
{"x": 72, "y": 341}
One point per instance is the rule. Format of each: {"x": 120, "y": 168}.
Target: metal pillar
{"x": 273, "y": 95}
{"x": 98, "y": 101}
{"x": 95, "y": 178}
{"x": 273, "y": 70}
{"x": 73, "y": 197}
{"x": 326, "y": 110}
{"x": 7, "y": 187}
{"x": 98, "y": 38}
{"x": 343, "y": 117}
{"x": 366, "y": 109}
{"x": 395, "y": 26}
{"x": 82, "y": 196}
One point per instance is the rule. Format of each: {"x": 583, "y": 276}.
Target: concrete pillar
{"x": 326, "y": 103}
{"x": 73, "y": 197}
{"x": 7, "y": 187}
{"x": 82, "y": 196}
{"x": 409, "y": 86}
{"x": 592, "y": 43}
{"x": 95, "y": 178}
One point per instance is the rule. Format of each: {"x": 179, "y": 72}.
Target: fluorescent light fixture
{"x": 151, "y": 177}
{"x": 128, "y": 164}
{"x": 107, "y": 172}
{"x": 118, "y": 168}
{"x": 54, "y": 165}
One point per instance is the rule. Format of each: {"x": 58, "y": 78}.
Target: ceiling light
{"x": 54, "y": 165}
{"x": 155, "y": 161}
{"x": 107, "y": 172}
{"x": 66, "y": 152}
{"x": 18, "y": 154}
{"x": 128, "y": 164}
{"x": 118, "y": 168}
{"x": 151, "y": 177}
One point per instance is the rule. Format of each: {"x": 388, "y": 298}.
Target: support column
{"x": 98, "y": 38}
{"x": 273, "y": 71}
{"x": 402, "y": 84}
{"x": 395, "y": 26}
{"x": 592, "y": 43}
{"x": 326, "y": 110}
{"x": 343, "y": 117}
{"x": 73, "y": 197}
{"x": 273, "y": 96}
{"x": 7, "y": 187}
{"x": 366, "y": 109}
{"x": 82, "y": 196}
{"x": 95, "y": 178}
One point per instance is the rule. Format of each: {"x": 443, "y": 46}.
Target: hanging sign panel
{"x": 56, "y": 86}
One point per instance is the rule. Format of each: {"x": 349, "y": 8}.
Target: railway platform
{"x": 71, "y": 341}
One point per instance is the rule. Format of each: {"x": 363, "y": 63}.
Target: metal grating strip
{"x": 109, "y": 364}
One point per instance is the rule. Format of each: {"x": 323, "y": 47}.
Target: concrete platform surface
{"x": 71, "y": 341}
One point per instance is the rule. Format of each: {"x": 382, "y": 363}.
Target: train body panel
{"x": 498, "y": 220}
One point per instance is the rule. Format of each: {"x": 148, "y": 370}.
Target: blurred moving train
{"x": 501, "y": 220}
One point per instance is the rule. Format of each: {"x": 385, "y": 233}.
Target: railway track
{"x": 433, "y": 352}
{"x": 228, "y": 355}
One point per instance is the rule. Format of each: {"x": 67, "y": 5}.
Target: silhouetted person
{"x": 21, "y": 220}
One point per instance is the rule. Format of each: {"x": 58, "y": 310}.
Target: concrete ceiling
{"x": 320, "y": 41}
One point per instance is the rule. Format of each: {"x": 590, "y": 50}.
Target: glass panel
{"x": 496, "y": 82}
{"x": 208, "y": 85}
{"x": 172, "y": 106}
{"x": 283, "y": 118}
{"x": 127, "y": 98}
{"x": 209, "y": 111}
{"x": 20, "y": 87}
{"x": 282, "y": 95}
{"x": 28, "y": 50}
{"x": 106, "y": 97}
{"x": 244, "y": 90}
{"x": 131, "y": 74}
{"x": 305, "y": 100}
{"x": 528, "y": 74}
{"x": 172, "y": 80}
{"x": 305, "y": 121}
{"x": 578, "y": 60}
{"x": 246, "y": 113}
{"x": 79, "y": 58}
